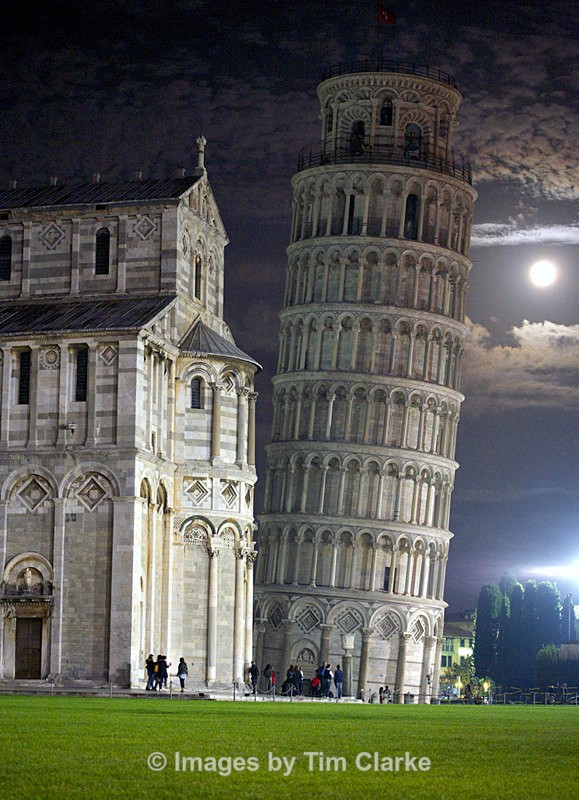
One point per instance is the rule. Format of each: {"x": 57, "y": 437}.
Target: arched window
{"x": 386, "y": 113}
{"x": 413, "y": 141}
{"x": 5, "y": 258}
{"x": 102, "y": 252}
{"x": 197, "y": 265}
{"x": 196, "y": 393}
{"x": 357, "y": 138}
{"x": 411, "y": 217}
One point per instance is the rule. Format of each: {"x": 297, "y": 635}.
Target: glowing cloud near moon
{"x": 543, "y": 273}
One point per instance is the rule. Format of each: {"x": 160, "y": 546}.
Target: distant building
{"x": 354, "y": 535}
{"x": 126, "y": 435}
{"x": 458, "y": 639}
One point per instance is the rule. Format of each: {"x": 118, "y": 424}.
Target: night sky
{"x": 113, "y": 87}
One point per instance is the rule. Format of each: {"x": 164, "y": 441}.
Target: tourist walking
{"x": 182, "y": 672}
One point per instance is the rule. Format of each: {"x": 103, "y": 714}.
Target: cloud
{"x": 538, "y": 370}
{"x": 492, "y": 234}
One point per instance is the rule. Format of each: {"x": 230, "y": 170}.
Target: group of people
{"x": 293, "y": 684}
{"x": 323, "y": 679}
{"x": 158, "y": 672}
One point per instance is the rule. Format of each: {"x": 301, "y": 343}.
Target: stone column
{"x": 211, "y": 672}
{"x": 364, "y": 660}
{"x": 436, "y": 667}
{"x": 239, "y": 617}
{"x": 426, "y": 673}
{"x": 6, "y": 380}
{"x": 314, "y": 563}
{"x": 403, "y": 640}
{"x": 325, "y": 641}
{"x": 347, "y": 641}
{"x": 251, "y": 430}
{"x": 216, "y": 422}
{"x": 91, "y": 396}
{"x": 241, "y": 425}
{"x": 260, "y": 644}
{"x": 289, "y": 626}
{"x": 250, "y": 559}
{"x": 58, "y": 578}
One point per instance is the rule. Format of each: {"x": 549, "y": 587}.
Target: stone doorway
{"x": 28, "y": 648}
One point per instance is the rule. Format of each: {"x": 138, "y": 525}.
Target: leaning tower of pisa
{"x": 354, "y": 535}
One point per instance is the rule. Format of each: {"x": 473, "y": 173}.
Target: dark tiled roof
{"x": 97, "y": 315}
{"x": 93, "y": 193}
{"x": 203, "y": 341}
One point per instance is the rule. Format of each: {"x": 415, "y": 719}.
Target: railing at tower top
{"x": 385, "y": 65}
{"x": 313, "y": 155}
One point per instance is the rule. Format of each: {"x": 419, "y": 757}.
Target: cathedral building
{"x": 354, "y": 535}
{"x": 127, "y": 423}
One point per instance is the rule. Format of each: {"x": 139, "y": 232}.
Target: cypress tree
{"x": 486, "y": 631}
{"x": 548, "y": 615}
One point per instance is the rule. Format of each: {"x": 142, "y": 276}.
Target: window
{"x": 81, "y": 384}
{"x": 5, "y": 258}
{"x": 357, "y": 138}
{"x": 411, "y": 217}
{"x": 196, "y": 387}
{"x": 197, "y": 277}
{"x": 413, "y": 141}
{"x": 24, "y": 378}
{"x": 102, "y": 252}
{"x": 386, "y": 113}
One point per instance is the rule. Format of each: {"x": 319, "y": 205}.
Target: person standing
{"x": 339, "y": 681}
{"x": 162, "y": 672}
{"x": 150, "y": 667}
{"x": 182, "y": 672}
{"x": 254, "y": 675}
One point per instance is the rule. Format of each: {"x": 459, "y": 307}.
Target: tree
{"x": 529, "y": 641}
{"x": 486, "y": 630}
{"x": 503, "y": 644}
{"x": 548, "y": 614}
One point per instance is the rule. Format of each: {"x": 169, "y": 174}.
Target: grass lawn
{"x": 59, "y": 748}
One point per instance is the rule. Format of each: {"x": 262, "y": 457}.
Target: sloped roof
{"x": 203, "y": 341}
{"x": 92, "y": 193}
{"x": 94, "y": 315}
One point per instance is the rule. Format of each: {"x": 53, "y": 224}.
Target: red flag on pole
{"x": 383, "y": 16}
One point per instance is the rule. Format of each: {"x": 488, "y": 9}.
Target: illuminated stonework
{"x": 366, "y": 398}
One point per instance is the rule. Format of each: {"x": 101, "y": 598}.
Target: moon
{"x": 543, "y": 273}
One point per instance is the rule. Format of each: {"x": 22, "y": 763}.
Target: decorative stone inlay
{"x": 50, "y": 358}
{"x": 228, "y": 538}
{"x": 349, "y": 621}
{"x": 33, "y": 494}
{"x": 418, "y": 631}
{"x": 276, "y": 617}
{"x": 229, "y": 493}
{"x": 91, "y": 493}
{"x": 387, "y": 626}
{"x": 308, "y": 619}
{"x": 144, "y": 228}
{"x": 229, "y": 384}
{"x": 306, "y": 656}
{"x": 52, "y": 235}
{"x": 108, "y": 353}
{"x": 195, "y": 535}
{"x": 198, "y": 490}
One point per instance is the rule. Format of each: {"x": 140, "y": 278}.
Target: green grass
{"x": 58, "y": 748}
